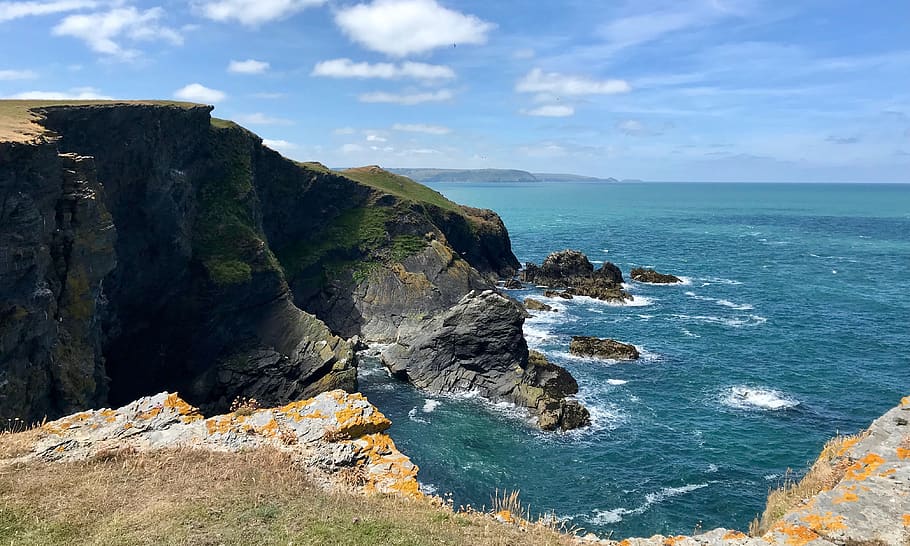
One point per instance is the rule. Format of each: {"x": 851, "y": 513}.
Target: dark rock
{"x": 534, "y": 305}
{"x": 649, "y": 275}
{"x": 557, "y": 294}
{"x": 602, "y": 348}
{"x": 513, "y": 284}
{"x": 478, "y": 345}
{"x": 572, "y": 271}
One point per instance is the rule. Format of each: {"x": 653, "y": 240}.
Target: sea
{"x": 792, "y": 325}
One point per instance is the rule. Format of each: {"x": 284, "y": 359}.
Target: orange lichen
{"x": 906, "y": 518}
{"x": 905, "y": 401}
{"x": 847, "y": 444}
{"x": 827, "y": 522}
{"x": 294, "y": 409}
{"x": 863, "y": 468}
{"x": 189, "y": 414}
{"x": 315, "y": 415}
{"x": 146, "y": 415}
{"x": 504, "y": 516}
{"x": 221, "y": 425}
{"x": 356, "y": 421}
{"x": 846, "y": 497}
{"x": 625, "y": 542}
{"x": 269, "y": 429}
{"x": 903, "y": 453}
{"x": 735, "y": 535}
{"x": 797, "y": 535}
{"x": 671, "y": 541}
{"x": 888, "y": 472}
{"x": 401, "y": 476}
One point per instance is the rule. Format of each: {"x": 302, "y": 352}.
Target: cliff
{"x": 147, "y": 246}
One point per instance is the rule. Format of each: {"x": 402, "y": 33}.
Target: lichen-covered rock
{"x": 572, "y": 271}
{"x": 478, "y": 346}
{"x": 649, "y": 275}
{"x": 329, "y": 432}
{"x": 602, "y": 348}
{"x": 533, "y": 305}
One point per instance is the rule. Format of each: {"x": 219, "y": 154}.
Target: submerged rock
{"x": 649, "y": 275}
{"x": 533, "y": 305}
{"x": 602, "y": 348}
{"x": 330, "y": 432}
{"x": 478, "y": 346}
{"x": 572, "y": 271}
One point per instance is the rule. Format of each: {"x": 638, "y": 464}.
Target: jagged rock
{"x": 557, "y": 294}
{"x": 478, "y": 345}
{"x": 533, "y": 305}
{"x": 513, "y": 284}
{"x": 602, "y": 348}
{"x": 572, "y": 271}
{"x": 331, "y": 431}
{"x": 649, "y": 275}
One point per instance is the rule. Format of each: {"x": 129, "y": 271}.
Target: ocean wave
{"x": 720, "y": 280}
{"x": 637, "y": 301}
{"x": 412, "y": 415}
{"x": 430, "y": 405}
{"x": 735, "y": 322}
{"x": 617, "y": 381}
{"x": 754, "y": 398}
{"x": 427, "y": 488}
{"x": 721, "y": 302}
{"x": 536, "y": 336}
{"x": 687, "y": 333}
{"x": 615, "y": 515}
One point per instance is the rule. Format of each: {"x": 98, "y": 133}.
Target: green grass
{"x": 400, "y": 186}
{"x": 206, "y": 498}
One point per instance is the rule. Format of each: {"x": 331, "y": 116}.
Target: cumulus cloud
{"x": 16, "y": 10}
{"x": 421, "y": 128}
{"x": 196, "y": 92}
{"x": 538, "y": 81}
{"x": 279, "y": 145}
{"x": 259, "y": 118}
{"x": 346, "y": 68}
{"x": 552, "y": 111}
{"x": 404, "y": 27}
{"x": 249, "y": 66}
{"x": 251, "y": 12}
{"x": 407, "y": 99}
{"x": 78, "y": 93}
{"x": 8, "y": 75}
{"x": 103, "y": 32}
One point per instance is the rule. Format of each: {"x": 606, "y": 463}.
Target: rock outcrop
{"x": 478, "y": 346}
{"x": 572, "y": 271}
{"x": 533, "y": 305}
{"x": 148, "y": 247}
{"x": 331, "y": 432}
{"x": 512, "y": 284}
{"x": 602, "y": 348}
{"x": 649, "y": 275}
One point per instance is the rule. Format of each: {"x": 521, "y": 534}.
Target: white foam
{"x": 430, "y": 405}
{"x": 744, "y": 397}
{"x": 615, "y": 515}
{"x": 412, "y": 415}
{"x": 689, "y": 334}
{"x": 735, "y": 322}
{"x": 637, "y": 301}
{"x": 427, "y": 488}
{"x": 720, "y": 280}
{"x": 722, "y": 302}
{"x": 712, "y": 468}
{"x": 617, "y": 381}
{"x": 535, "y": 336}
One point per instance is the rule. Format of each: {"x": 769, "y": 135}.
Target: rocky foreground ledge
{"x": 330, "y": 433}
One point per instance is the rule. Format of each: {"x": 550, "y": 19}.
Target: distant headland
{"x": 495, "y": 175}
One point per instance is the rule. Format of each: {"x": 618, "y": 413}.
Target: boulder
{"x": 649, "y": 275}
{"x": 557, "y": 294}
{"x": 513, "y": 284}
{"x": 572, "y": 271}
{"x": 478, "y": 346}
{"x": 533, "y": 305}
{"x": 602, "y": 348}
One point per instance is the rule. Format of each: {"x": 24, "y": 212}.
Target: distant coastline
{"x": 495, "y": 176}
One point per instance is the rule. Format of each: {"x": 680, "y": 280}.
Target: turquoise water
{"x": 792, "y": 326}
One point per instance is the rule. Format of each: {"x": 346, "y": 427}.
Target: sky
{"x": 695, "y": 90}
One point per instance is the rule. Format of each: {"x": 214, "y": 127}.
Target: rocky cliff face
{"x": 149, "y": 247}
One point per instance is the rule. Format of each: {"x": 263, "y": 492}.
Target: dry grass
{"x": 201, "y": 497}
{"x": 18, "y": 123}
{"x": 825, "y": 473}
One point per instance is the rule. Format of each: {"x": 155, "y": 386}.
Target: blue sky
{"x": 704, "y": 90}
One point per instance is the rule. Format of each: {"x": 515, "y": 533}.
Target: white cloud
{"x": 632, "y": 127}
{"x": 552, "y": 111}
{"x": 282, "y": 146}
{"x": 251, "y": 12}
{"x": 259, "y": 118}
{"x": 345, "y": 131}
{"x": 78, "y": 93}
{"x": 421, "y": 128}
{"x": 407, "y": 99}
{"x": 249, "y": 66}
{"x": 538, "y": 81}
{"x": 196, "y": 92}
{"x": 103, "y": 30}
{"x": 404, "y": 27}
{"x": 372, "y": 137}
{"x": 7, "y": 75}
{"x": 346, "y": 68}
{"x": 16, "y": 10}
